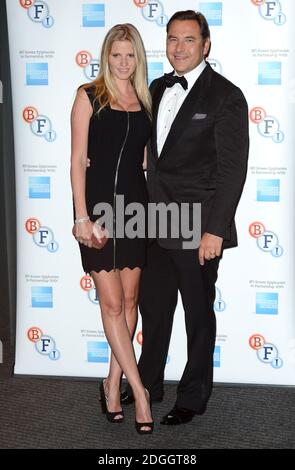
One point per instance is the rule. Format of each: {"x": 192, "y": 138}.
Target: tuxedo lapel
{"x": 191, "y": 104}
{"x": 157, "y": 96}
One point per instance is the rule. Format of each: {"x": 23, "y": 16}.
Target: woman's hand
{"x": 83, "y": 232}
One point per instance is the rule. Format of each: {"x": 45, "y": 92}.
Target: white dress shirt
{"x": 171, "y": 102}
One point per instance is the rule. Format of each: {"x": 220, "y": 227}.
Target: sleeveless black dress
{"x": 116, "y": 142}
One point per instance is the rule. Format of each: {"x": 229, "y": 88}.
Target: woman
{"x": 111, "y": 125}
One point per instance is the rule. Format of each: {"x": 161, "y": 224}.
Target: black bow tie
{"x": 170, "y": 80}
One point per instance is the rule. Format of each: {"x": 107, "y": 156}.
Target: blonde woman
{"x": 111, "y": 125}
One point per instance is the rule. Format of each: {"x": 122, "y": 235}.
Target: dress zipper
{"x": 115, "y": 192}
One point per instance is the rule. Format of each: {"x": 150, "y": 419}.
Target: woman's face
{"x": 122, "y": 60}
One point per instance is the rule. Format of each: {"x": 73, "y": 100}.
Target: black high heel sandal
{"x": 111, "y": 415}
{"x": 150, "y": 425}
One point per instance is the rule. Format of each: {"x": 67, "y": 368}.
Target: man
{"x": 198, "y": 154}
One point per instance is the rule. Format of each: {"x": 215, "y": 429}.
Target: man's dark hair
{"x": 192, "y": 15}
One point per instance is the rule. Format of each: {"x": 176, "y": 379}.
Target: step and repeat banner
{"x": 54, "y": 47}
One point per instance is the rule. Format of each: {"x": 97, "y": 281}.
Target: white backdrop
{"x": 54, "y": 47}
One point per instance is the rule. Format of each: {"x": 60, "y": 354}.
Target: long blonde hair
{"x": 105, "y": 90}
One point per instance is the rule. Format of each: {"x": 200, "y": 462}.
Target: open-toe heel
{"x": 111, "y": 415}
{"x": 139, "y": 426}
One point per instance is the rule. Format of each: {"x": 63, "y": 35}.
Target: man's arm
{"x": 232, "y": 145}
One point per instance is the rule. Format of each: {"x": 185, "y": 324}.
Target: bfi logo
{"x": 38, "y": 12}
{"x": 42, "y": 235}
{"x": 152, "y": 10}
{"x": 39, "y": 123}
{"x": 267, "y": 241}
{"x": 219, "y": 304}
{"x": 267, "y": 126}
{"x": 89, "y": 65}
{"x": 44, "y": 344}
{"x": 215, "y": 65}
{"x": 270, "y": 10}
{"x": 87, "y": 285}
{"x": 266, "y": 352}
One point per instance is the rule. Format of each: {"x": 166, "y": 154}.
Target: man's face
{"x": 185, "y": 46}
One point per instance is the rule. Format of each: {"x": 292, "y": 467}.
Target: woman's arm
{"x": 80, "y": 117}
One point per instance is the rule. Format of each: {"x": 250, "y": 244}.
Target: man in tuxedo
{"x": 198, "y": 154}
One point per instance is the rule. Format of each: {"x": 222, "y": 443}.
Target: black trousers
{"x": 167, "y": 272}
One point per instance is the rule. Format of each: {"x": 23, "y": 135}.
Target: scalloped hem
{"x": 118, "y": 268}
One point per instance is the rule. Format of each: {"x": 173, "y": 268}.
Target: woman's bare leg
{"x": 111, "y": 296}
{"x": 130, "y": 283}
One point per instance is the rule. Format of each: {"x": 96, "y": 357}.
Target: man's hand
{"x": 210, "y": 247}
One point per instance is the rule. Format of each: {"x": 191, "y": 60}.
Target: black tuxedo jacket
{"x": 204, "y": 158}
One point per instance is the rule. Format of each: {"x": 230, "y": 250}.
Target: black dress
{"x": 116, "y": 142}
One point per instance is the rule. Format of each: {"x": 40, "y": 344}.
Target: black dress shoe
{"x": 181, "y": 415}
{"x": 127, "y": 399}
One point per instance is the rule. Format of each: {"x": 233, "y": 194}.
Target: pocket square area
{"x": 199, "y": 116}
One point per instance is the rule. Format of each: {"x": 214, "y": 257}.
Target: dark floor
{"x": 47, "y": 413}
